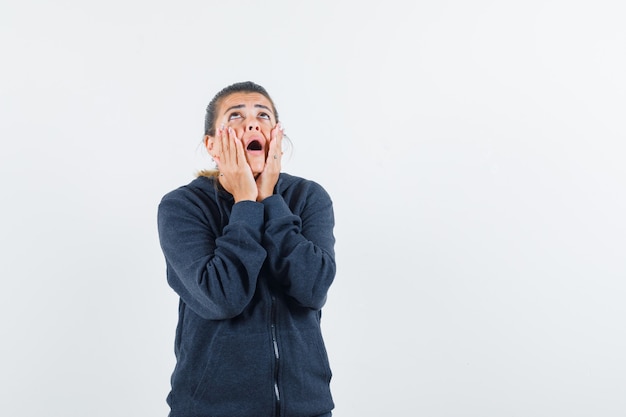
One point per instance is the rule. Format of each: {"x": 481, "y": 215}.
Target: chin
{"x": 256, "y": 170}
{"x": 257, "y": 164}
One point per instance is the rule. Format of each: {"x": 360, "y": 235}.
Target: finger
{"x": 280, "y": 135}
{"x": 226, "y": 142}
{"x": 229, "y": 138}
{"x": 239, "y": 150}
{"x": 234, "y": 146}
{"x": 223, "y": 143}
{"x": 275, "y": 149}
{"x": 217, "y": 146}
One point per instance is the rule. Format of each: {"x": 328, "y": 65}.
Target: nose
{"x": 253, "y": 124}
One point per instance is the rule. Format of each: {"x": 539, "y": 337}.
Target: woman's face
{"x": 250, "y": 115}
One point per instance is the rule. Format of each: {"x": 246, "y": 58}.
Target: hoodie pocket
{"x": 305, "y": 372}
{"x": 237, "y": 377}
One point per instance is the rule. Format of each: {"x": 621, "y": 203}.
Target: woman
{"x": 250, "y": 252}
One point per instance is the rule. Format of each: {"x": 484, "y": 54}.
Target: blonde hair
{"x": 209, "y": 173}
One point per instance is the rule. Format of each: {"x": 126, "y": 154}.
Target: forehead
{"x": 245, "y": 99}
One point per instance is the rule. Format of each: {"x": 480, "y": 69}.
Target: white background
{"x": 474, "y": 151}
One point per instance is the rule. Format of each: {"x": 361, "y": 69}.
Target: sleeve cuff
{"x": 275, "y": 206}
{"x": 249, "y": 212}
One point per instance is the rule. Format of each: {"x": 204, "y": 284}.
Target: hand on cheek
{"x": 267, "y": 180}
{"x": 235, "y": 173}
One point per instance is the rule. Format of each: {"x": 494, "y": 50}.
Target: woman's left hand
{"x": 266, "y": 181}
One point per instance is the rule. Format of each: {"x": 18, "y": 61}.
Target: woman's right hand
{"x": 235, "y": 174}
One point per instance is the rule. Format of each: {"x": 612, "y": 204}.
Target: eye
{"x": 234, "y": 115}
{"x": 264, "y": 115}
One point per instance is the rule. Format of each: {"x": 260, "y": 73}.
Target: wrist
{"x": 264, "y": 191}
{"x": 245, "y": 197}
{"x": 238, "y": 199}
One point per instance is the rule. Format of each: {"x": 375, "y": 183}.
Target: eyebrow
{"x": 240, "y": 106}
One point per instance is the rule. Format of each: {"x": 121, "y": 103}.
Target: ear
{"x": 209, "y": 141}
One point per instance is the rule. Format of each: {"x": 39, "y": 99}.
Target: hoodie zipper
{"x": 276, "y": 356}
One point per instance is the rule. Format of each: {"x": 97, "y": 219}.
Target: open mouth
{"x": 255, "y": 145}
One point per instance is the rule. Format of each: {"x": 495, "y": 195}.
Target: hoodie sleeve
{"x": 213, "y": 274}
{"x": 300, "y": 247}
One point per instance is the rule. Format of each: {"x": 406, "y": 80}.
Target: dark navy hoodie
{"x": 252, "y": 278}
